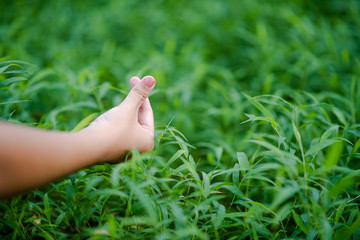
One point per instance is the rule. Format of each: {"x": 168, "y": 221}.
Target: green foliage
{"x": 267, "y": 94}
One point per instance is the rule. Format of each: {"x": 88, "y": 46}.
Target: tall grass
{"x": 257, "y": 109}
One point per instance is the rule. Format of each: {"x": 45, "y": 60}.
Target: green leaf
{"x": 299, "y": 222}
{"x": 274, "y": 125}
{"x": 333, "y": 130}
{"x": 317, "y": 147}
{"x": 180, "y": 218}
{"x": 174, "y": 158}
{"x": 243, "y": 162}
{"x": 340, "y": 116}
{"x": 9, "y": 81}
{"x": 261, "y": 178}
{"x": 143, "y": 220}
{"x": 333, "y": 154}
{"x": 13, "y": 102}
{"x": 339, "y": 212}
{"x": 206, "y": 185}
{"x": 298, "y": 139}
{"x": 2, "y": 69}
{"x": 220, "y": 214}
{"x": 45, "y": 236}
{"x": 281, "y": 140}
{"x": 326, "y": 230}
{"x": 254, "y": 232}
{"x": 60, "y": 218}
{"x": 113, "y": 226}
{"x": 277, "y": 218}
{"x": 312, "y": 234}
{"x": 108, "y": 192}
{"x": 84, "y": 122}
{"x": 259, "y": 106}
{"x": 344, "y": 183}
{"x": 143, "y": 198}
{"x": 235, "y": 175}
{"x": 283, "y": 195}
{"x": 47, "y": 208}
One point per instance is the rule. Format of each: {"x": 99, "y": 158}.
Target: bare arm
{"x": 32, "y": 157}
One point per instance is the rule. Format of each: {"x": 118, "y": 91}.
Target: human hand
{"x": 49, "y": 155}
{"x": 128, "y": 125}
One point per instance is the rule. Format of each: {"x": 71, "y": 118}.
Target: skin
{"x": 31, "y": 157}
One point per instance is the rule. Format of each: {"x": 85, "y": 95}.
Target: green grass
{"x": 257, "y": 109}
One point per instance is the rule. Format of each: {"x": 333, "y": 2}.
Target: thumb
{"x": 140, "y": 92}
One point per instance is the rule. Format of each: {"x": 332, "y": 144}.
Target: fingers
{"x": 146, "y": 117}
{"x": 134, "y": 81}
{"x": 140, "y": 91}
{"x": 145, "y": 114}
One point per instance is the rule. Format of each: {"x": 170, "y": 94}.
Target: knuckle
{"x": 148, "y": 146}
{"x": 140, "y": 92}
{"x": 151, "y": 146}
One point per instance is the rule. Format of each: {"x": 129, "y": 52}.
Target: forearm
{"x": 31, "y": 157}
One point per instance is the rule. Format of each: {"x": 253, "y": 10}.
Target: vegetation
{"x": 257, "y": 114}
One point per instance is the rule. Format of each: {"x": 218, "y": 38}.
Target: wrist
{"x": 90, "y": 146}
{"x": 100, "y": 146}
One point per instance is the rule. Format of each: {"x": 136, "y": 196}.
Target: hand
{"x": 49, "y": 155}
{"x": 127, "y": 126}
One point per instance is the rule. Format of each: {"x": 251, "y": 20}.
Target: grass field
{"x": 257, "y": 114}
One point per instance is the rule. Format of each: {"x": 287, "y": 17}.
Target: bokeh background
{"x": 202, "y": 53}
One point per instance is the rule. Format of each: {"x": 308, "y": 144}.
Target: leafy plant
{"x": 256, "y": 107}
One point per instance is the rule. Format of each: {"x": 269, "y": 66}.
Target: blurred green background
{"x": 216, "y": 63}
{"x": 202, "y": 53}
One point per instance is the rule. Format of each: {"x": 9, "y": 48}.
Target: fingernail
{"x": 149, "y": 81}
